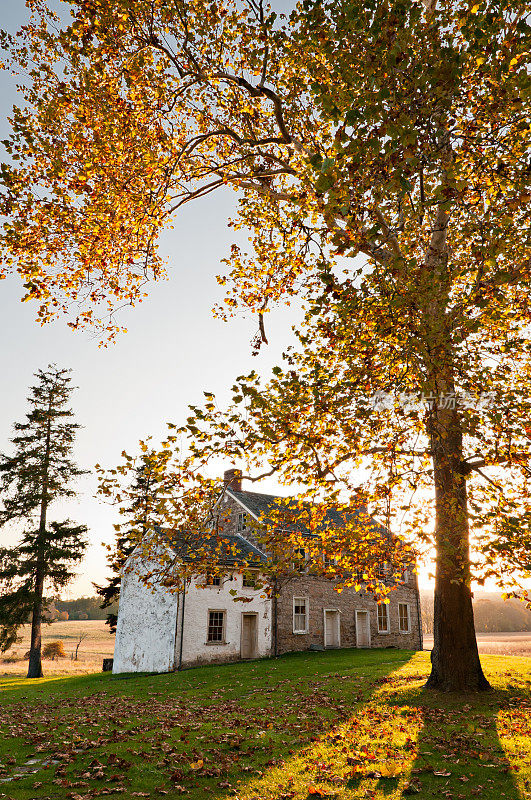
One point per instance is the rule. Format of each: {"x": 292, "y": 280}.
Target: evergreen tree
{"x": 38, "y": 473}
{"x": 137, "y": 502}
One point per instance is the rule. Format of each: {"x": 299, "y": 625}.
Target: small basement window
{"x": 216, "y": 627}
{"x": 404, "y": 625}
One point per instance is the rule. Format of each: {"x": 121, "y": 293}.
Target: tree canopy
{"x": 381, "y": 152}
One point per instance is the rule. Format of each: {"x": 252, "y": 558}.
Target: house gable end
{"x": 242, "y": 504}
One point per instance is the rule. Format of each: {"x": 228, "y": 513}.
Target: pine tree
{"x": 137, "y": 501}
{"x": 38, "y": 473}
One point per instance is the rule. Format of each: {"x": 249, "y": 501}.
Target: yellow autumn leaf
{"x": 391, "y": 769}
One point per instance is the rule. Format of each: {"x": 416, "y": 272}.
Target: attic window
{"x": 299, "y": 563}
{"x": 213, "y": 580}
{"x": 242, "y": 522}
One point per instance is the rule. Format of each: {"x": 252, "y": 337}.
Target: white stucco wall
{"x": 199, "y": 601}
{"x": 146, "y": 628}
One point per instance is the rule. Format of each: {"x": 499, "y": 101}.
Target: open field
{"x": 97, "y": 645}
{"x": 508, "y": 644}
{"x": 346, "y": 724}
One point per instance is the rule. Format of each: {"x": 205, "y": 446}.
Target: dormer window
{"x": 242, "y": 522}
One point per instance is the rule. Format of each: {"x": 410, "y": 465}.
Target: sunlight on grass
{"x": 406, "y": 741}
{"x": 7, "y": 683}
{"x": 513, "y": 726}
{"x": 344, "y": 725}
{"x": 369, "y": 755}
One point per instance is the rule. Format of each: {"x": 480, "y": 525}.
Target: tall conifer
{"x": 39, "y": 472}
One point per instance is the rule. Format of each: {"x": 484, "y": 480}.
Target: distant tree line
{"x": 491, "y": 614}
{"x": 80, "y": 608}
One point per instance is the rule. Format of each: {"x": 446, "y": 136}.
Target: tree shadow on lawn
{"x": 463, "y": 747}
{"x": 408, "y": 741}
{"x": 341, "y": 724}
{"x": 199, "y": 733}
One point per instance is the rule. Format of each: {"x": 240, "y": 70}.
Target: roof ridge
{"x": 262, "y": 494}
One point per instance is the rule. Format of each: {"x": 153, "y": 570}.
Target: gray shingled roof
{"x": 232, "y": 548}
{"x": 263, "y": 506}
{"x": 227, "y": 548}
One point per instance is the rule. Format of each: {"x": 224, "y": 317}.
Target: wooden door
{"x": 249, "y": 640}
{"x": 331, "y": 627}
{"x": 363, "y": 632}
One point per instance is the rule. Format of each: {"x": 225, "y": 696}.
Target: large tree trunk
{"x": 455, "y": 659}
{"x": 35, "y": 664}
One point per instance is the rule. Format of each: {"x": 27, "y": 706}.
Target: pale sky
{"x": 173, "y": 350}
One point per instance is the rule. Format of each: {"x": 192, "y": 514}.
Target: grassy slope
{"x": 345, "y": 724}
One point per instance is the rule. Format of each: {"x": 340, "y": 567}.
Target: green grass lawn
{"x": 338, "y": 724}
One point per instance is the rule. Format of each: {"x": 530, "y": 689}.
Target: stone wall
{"x": 322, "y": 595}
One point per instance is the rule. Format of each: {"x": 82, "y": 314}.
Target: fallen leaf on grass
{"x": 392, "y": 769}
{"x": 315, "y": 791}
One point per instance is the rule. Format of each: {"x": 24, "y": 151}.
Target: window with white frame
{"x": 383, "y": 618}
{"x": 242, "y": 522}
{"x": 329, "y": 562}
{"x": 216, "y": 627}
{"x": 403, "y": 618}
{"x": 300, "y": 614}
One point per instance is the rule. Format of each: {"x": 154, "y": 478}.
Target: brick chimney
{"x": 232, "y": 479}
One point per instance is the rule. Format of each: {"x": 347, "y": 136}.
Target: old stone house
{"x": 160, "y": 631}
